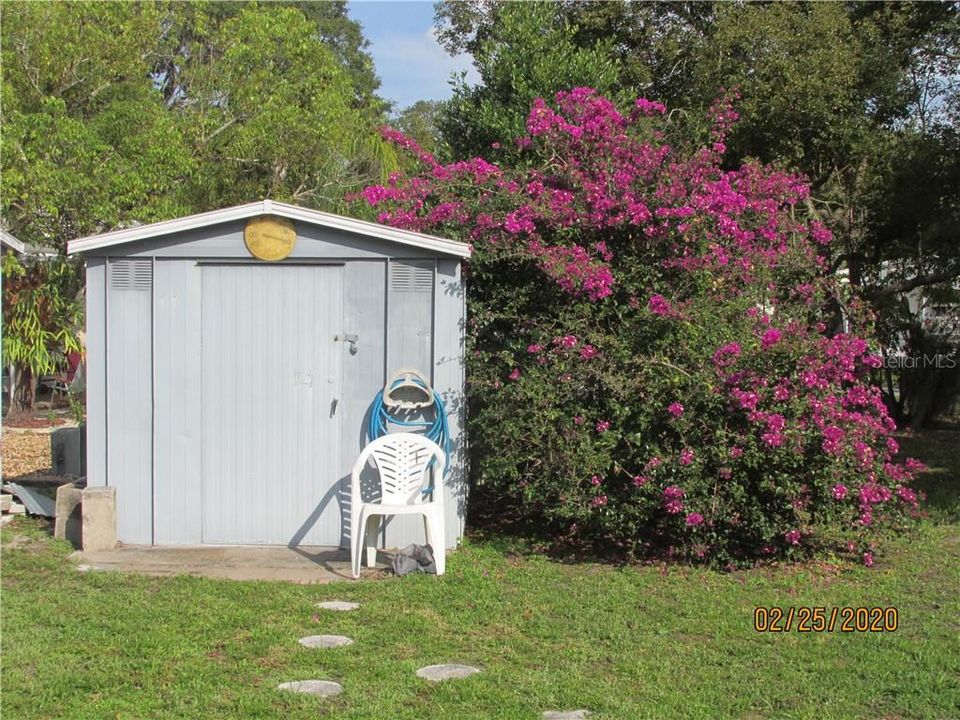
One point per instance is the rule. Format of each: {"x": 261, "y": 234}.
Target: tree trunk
{"x": 924, "y": 396}
{"x": 23, "y": 391}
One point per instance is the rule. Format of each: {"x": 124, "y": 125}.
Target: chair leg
{"x": 427, "y": 529}
{"x": 437, "y": 538}
{"x": 370, "y": 539}
{"x": 356, "y": 542}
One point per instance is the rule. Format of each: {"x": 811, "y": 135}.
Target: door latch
{"x": 352, "y": 339}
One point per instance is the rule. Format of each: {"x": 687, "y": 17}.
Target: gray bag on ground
{"x": 413, "y": 559}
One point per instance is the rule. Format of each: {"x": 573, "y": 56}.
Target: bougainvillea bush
{"x": 654, "y": 359}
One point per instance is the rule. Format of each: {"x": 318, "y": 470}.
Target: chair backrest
{"x": 405, "y": 462}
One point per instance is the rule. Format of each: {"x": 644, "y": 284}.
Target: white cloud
{"x": 415, "y": 67}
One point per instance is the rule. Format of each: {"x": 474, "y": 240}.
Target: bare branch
{"x": 915, "y": 282}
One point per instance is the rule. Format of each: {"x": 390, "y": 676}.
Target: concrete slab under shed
{"x": 297, "y": 565}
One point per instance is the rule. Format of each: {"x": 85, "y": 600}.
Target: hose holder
{"x": 407, "y": 389}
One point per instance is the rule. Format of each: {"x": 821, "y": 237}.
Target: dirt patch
{"x": 35, "y": 423}
{"x": 25, "y": 454}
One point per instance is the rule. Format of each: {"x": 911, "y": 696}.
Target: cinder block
{"x": 99, "y": 509}
{"x": 5, "y": 502}
{"x": 68, "y": 451}
{"x": 68, "y": 522}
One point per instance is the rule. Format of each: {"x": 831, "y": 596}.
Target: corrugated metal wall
{"x": 271, "y": 391}
{"x": 160, "y": 381}
{"x": 178, "y": 410}
{"x": 129, "y": 403}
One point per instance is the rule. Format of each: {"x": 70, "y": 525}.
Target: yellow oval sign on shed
{"x": 270, "y": 238}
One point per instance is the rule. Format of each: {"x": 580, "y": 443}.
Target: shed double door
{"x": 270, "y": 396}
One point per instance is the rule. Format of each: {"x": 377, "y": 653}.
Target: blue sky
{"x": 411, "y": 64}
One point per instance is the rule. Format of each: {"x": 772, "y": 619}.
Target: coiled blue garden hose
{"x": 437, "y": 429}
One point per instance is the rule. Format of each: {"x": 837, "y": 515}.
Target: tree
{"x": 42, "y": 316}
{"x": 649, "y": 362}
{"x": 857, "y": 96}
{"x": 121, "y": 113}
{"x": 522, "y": 51}
{"x": 421, "y": 122}
{"x": 272, "y": 114}
{"x": 87, "y": 142}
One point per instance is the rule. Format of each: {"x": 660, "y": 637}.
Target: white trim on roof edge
{"x": 269, "y": 207}
{"x": 13, "y": 242}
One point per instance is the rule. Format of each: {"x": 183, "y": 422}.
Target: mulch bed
{"x": 35, "y": 422}
{"x": 25, "y": 454}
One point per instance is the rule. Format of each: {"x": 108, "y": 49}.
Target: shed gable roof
{"x": 12, "y": 242}
{"x": 9, "y": 240}
{"x": 269, "y": 207}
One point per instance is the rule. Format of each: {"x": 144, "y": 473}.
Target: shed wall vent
{"x": 408, "y": 276}
{"x": 131, "y": 274}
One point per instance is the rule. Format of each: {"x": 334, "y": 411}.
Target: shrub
{"x": 650, "y": 364}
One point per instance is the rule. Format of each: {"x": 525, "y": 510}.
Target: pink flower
{"x": 892, "y": 446}
{"x": 839, "y": 491}
{"x": 776, "y": 422}
{"x": 567, "y": 341}
{"x": 694, "y": 519}
{"x": 736, "y": 451}
{"x": 772, "y": 439}
{"x": 868, "y": 559}
{"x": 727, "y": 354}
{"x": 653, "y": 463}
{"x": 659, "y": 305}
{"x": 588, "y": 351}
{"x": 792, "y": 537}
{"x": 745, "y": 399}
{"x": 675, "y": 409}
{"x": 907, "y": 495}
{"x": 578, "y": 420}
{"x": 639, "y": 480}
{"x": 686, "y": 456}
{"x": 650, "y": 107}
{"x": 672, "y": 499}
{"x": 534, "y": 348}
{"x": 913, "y": 465}
{"x": 595, "y": 480}
{"x": 515, "y": 375}
{"x": 770, "y": 338}
{"x": 833, "y": 440}
{"x": 603, "y": 426}
{"x": 600, "y": 500}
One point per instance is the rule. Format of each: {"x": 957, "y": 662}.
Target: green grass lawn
{"x": 625, "y": 642}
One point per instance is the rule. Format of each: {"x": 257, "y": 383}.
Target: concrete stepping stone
{"x": 452, "y": 671}
{"x": 566, "y": 714}
{"x": 325, "y": 641}
{"x": 338, "y": 605}
{"x": 322, "y": 688}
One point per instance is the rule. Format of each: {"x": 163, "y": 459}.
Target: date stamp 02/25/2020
{"x": 823, "y": 619}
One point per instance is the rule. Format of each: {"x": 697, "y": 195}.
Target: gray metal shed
{"x": 226, "y": 397}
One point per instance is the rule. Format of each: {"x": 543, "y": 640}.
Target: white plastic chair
{"x": 405, "y": 463}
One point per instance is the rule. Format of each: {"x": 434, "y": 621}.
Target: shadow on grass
{"x": 940, "y": 450}
{"x": 496, "y": 523}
